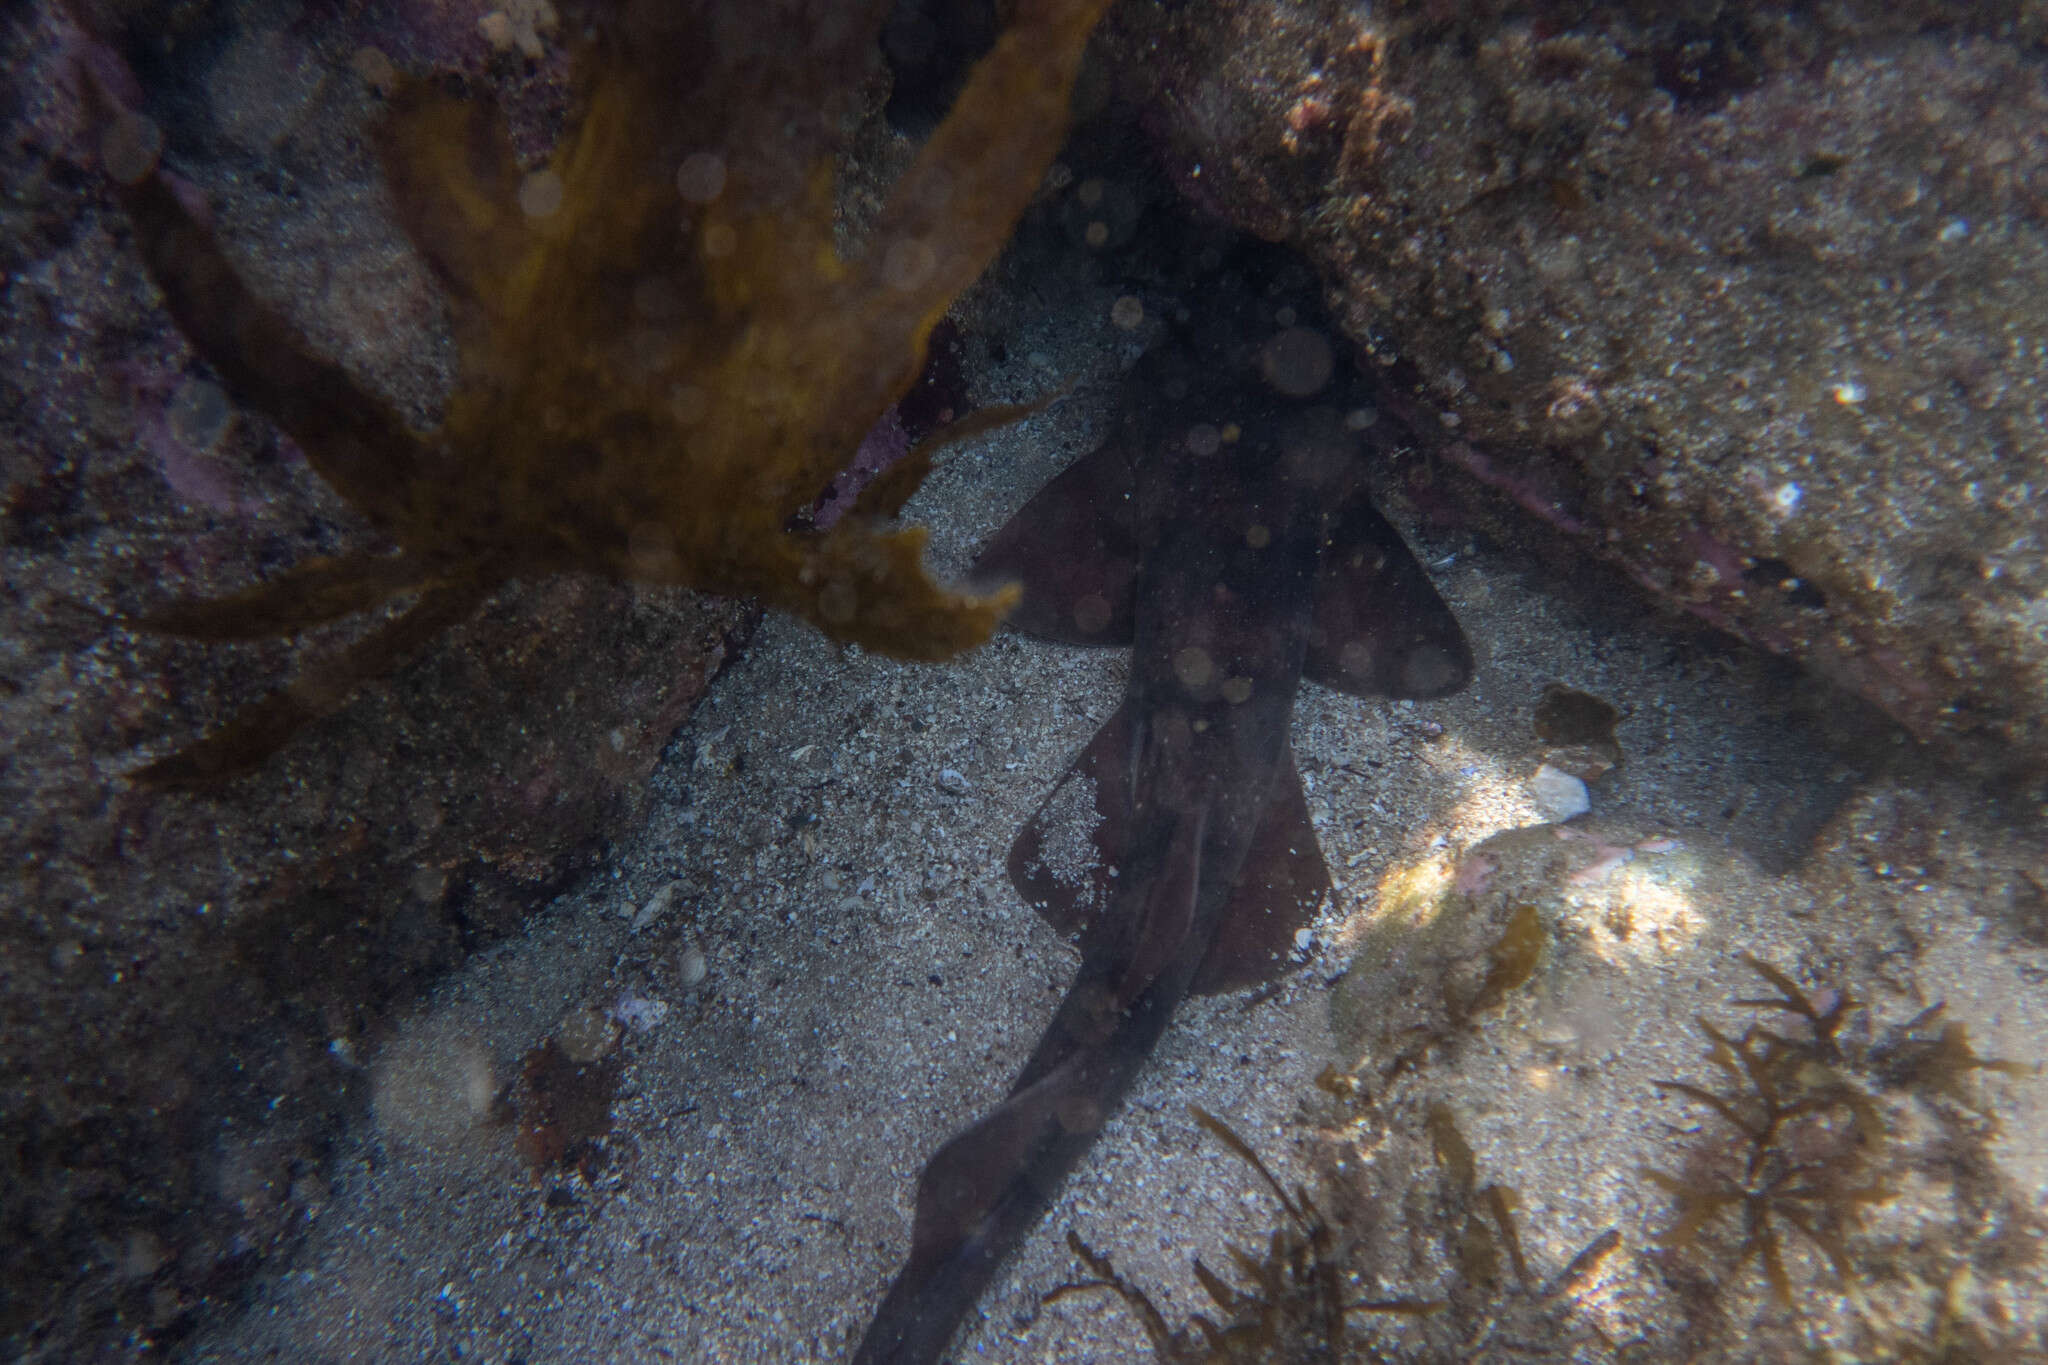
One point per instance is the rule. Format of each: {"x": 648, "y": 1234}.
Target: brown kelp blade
{"x": 454, "y": 180}
{"x": 1381, "y": 628}
{"x": 1074, "y": 547}
{"x": 258, "y": 731}
{"x": 308, "y": 594}
{"x": 1282, "y": 882}
{"x": 354, "y": 440}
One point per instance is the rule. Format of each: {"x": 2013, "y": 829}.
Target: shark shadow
{"x": 1224, "y": 534}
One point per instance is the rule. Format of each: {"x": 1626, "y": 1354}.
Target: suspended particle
{"x": 1092, "y": 613}
{"x": 1297, "y": 361}
{"x": 1193, "y": 666}
{"x": 199, "y": 414}
{"x": 129, "y": 148}
{"x": 652, "y": 548}
{"x": 375, "y": 70}
{"x": 701, "y": 177}
{"x": 720, "y": 241}
{"x": 908, "y": 264}
{"x": 1128, "y": 312}
{"x": 688, "y": 404}
{"x": 837, "y": 602}
{"x": 540, "y": 194}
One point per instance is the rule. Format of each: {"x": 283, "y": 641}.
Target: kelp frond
{"x": 662, "y": 355}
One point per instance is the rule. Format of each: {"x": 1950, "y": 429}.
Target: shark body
{"x": 1223, "y": 533}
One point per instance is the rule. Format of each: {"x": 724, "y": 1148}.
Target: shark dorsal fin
{"x": 1074, "y": 547}
{"x": 1380, "y": 627}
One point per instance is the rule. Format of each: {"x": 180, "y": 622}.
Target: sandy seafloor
{"x": 873, "y": 982}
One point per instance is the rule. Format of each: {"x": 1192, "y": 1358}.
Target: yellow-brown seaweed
{"x": 663, "y": 357}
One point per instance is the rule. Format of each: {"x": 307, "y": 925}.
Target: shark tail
{"x": 965, "y": 1228}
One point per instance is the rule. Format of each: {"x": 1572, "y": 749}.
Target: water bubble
{"x": 1100, "y": 214}
{"x": 586, "y": 1035}
{"x": 540, "y": 194}
{"x": 837, "y": 602}
{"x": 1427, "y": 670}
{"x": 129, "y": 148}
{"x": 375, "y": 69}
{"x": 199, "y": 413}
{"x": 909, "y": 263}
{"x": 657, "y": 298}
{"x": 652, "y": 548}
{"x": 720, "y": 241}
{"x": 688, "y": 404}
{"x": 1297, "y": 361}
{"x": 701, "y": 177}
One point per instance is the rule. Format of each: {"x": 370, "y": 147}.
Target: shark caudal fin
{"x": 1074, "y": 547}
{"x": 1066, "y": 858}
{"x": 1380, "y": 627}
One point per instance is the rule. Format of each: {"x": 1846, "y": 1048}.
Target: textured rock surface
{"x": 1748, "y": 304}
{"x": 190, "y": 983}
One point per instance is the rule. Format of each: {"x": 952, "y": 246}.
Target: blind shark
{"x": 1222, "y": 533}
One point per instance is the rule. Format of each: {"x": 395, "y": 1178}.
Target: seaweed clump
{"x": 1296, "y": 1301}
{"x": 1293, "y": 1304}
{"x": 663, "y": 356}
{"x": 1809, "y": 1141}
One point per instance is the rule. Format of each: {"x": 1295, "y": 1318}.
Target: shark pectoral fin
{"x": 1064, "y": 860}
{"x": 1074, "y": 547}
{"x": 1282, "y": 882}
{"x": 1380, "y": 629}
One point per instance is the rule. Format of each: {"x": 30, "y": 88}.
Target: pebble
{"x": 1558, "y": 795}
{"x": 657, "y": 905}
{"x": 952, "y": 782}
{"x": 691, "y": 966}
{"x": 639, "y": 1014}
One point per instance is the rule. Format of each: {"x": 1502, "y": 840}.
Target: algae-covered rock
{"x": 1744, "y": 303}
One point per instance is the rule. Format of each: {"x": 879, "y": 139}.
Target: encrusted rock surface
{"x": 1748, "y": 304}
{"x": 189, "y": 985}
